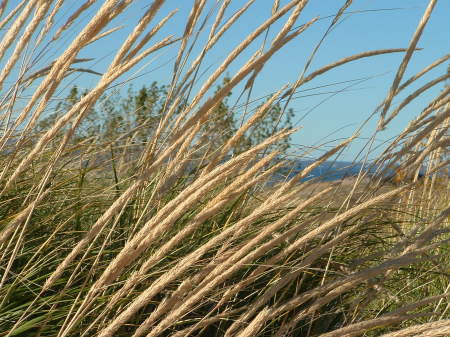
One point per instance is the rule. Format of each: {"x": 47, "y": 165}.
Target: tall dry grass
{"x": 118, "y": 238}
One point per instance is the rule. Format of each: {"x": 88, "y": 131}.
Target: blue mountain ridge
{"x": 328, "y": 171}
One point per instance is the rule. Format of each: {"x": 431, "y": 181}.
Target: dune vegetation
{"x": 152, "y": 216}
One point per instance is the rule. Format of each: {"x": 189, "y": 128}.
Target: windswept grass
{"x": 167, "y": 235}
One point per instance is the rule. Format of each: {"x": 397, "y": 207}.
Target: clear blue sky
{"x": 339, "y": 114}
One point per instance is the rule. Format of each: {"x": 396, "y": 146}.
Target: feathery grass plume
{"x": 48, "y": 86}
{"x": 415, "y": 77}
{"x": 214, "y": 36}
{"x": 402, "y": 68}
{"x": 419, "y": 91}
{"x": 241, "y": 73}
{"x": 236, "y": 188}
{"x": 73, "y": 17}
{"x": 302, "y": 241}
{"x": 300, "y": 80}
{"x": 192, "y": 193}
{"x": 117, "y": 225}
{"x": 327, "y": 292}
{"x": 176, "y": 297}
{"x": 25, "y": 38}
{"x": 13, "y": 31}
{"x": 102, "y": 35}
{"x": 49, "y": 21}
{"x": 12, "y": 13}
{"x": 194, "y": 15}
{"x": 150, "y": 34}
{"x": 121, "y": 55}
{"x": 101, "y": 222}
{"x": 88, "y": 100}
{"x": 218, "y": 19}
{"x": 340, "y": 62}
{"x": 220, "y": 273}
{"x": 387, "y": 319}
{"x": 431, "y": 329}
{"x": 255, "y": 325}
{"x": 241, "y": 131}
{"x": 141, "y": 240}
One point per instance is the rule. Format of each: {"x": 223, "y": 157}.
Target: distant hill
{"x": 328, "y": 171}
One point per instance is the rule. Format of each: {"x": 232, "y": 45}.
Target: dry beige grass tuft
{"x": 165, "y": 234}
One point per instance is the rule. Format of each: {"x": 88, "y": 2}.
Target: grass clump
{"x": 165, "y": 223}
